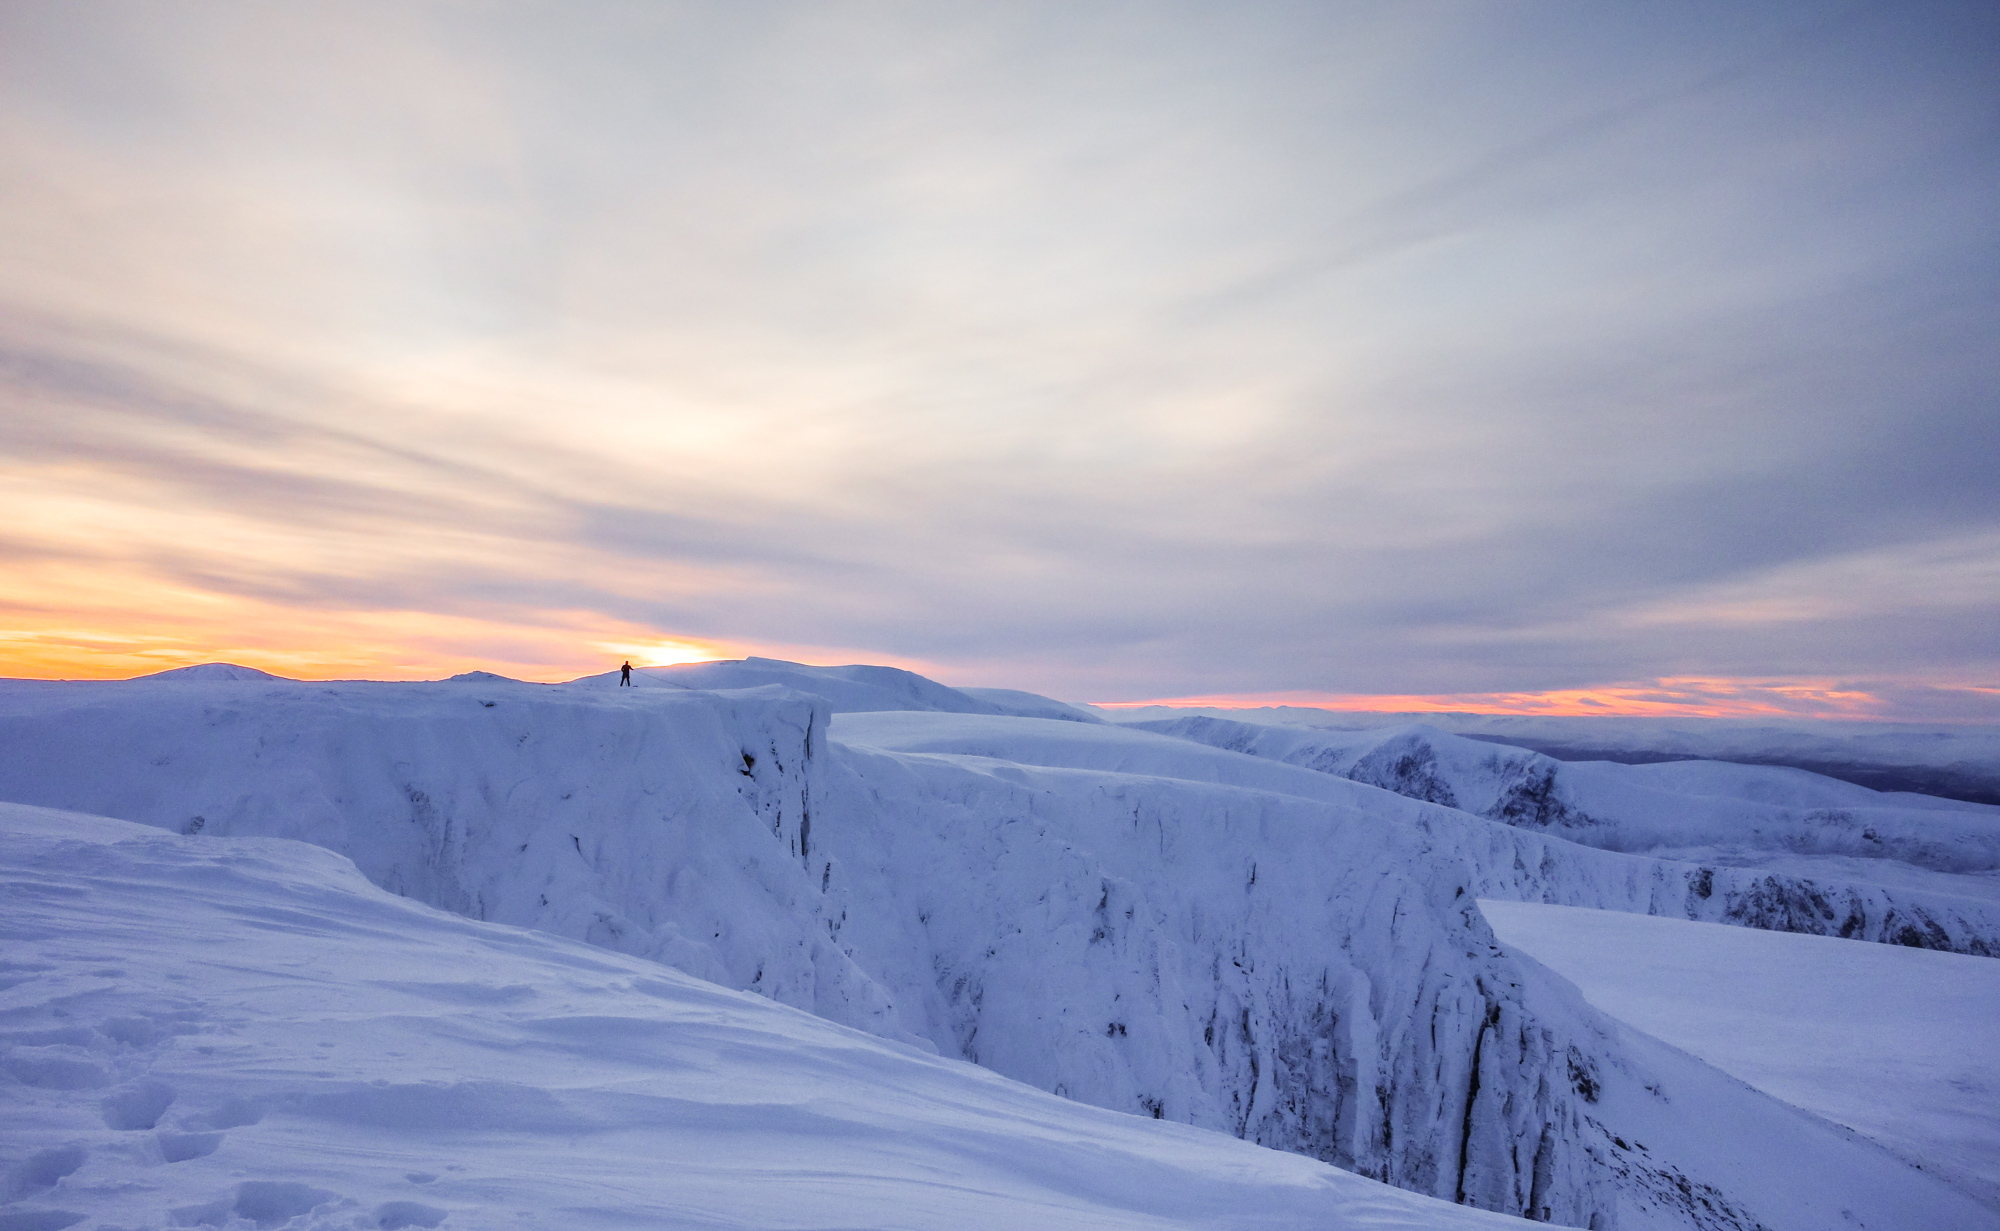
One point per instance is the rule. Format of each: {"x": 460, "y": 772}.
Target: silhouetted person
{"x": 625, "y": 676}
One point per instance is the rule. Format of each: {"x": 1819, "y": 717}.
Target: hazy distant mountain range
{"x": 1952, "y": 762}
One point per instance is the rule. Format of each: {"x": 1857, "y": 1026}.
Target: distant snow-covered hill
{"x": 1956, "y": 762}
{"x": 1033, "y": 705}
{"x": 211, "y": 671}
{"x": 1828, "y": 857}
{"x": 857, "y": 688}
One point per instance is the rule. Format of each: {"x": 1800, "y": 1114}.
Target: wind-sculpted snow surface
{"x": 1124, "y": 918}
{"x": 1762, "y": 847}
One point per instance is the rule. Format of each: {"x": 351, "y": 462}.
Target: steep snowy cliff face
{"x": 675, "y": 827}
{"x": 1769, "y": 847}
{"x": 1268, "y": 966}
{"x": 1276, "y": 953}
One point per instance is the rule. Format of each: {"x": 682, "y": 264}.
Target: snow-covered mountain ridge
{"x": 852, "y": 689}
{"x": 1958, "y": 762}
{"x": 666, "y": 824}
{"x": 1124, "y": 917}
{"x": 1793, "y": 851}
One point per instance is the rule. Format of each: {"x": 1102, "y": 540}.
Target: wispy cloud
{"x": 1109, "y": 353}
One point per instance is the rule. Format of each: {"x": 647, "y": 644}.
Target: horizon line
{"x": 1675, "y": 697}
{"x": 1700, "y": 697}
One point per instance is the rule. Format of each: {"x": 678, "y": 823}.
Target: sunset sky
{"x": 1544, "y": 353}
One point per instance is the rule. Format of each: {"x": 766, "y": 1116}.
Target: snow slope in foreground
{"x": 1901, "y": 1044}
{"x": 244, "y": 1032}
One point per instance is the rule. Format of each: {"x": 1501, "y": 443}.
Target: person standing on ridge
{"x": 625, "y": 676}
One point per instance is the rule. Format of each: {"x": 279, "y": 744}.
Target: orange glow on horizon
{"x": 184, "y": 629}
{"x": 1676, "y": 697}
{"x": 86, "y": 628}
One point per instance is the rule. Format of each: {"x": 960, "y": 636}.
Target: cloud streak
{"x": 1379, "y": 352}
{"x": 1851, "y": 700}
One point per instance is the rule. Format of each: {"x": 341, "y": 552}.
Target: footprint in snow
{"x": 394, "y": 1215}
{"x": 137, "y": 1106}
{"x": 233, "y": 1112}
{"x": 181, "y": 1147}
{"x": 40, "y": 1171}
{"x": 268, "y": 1203}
